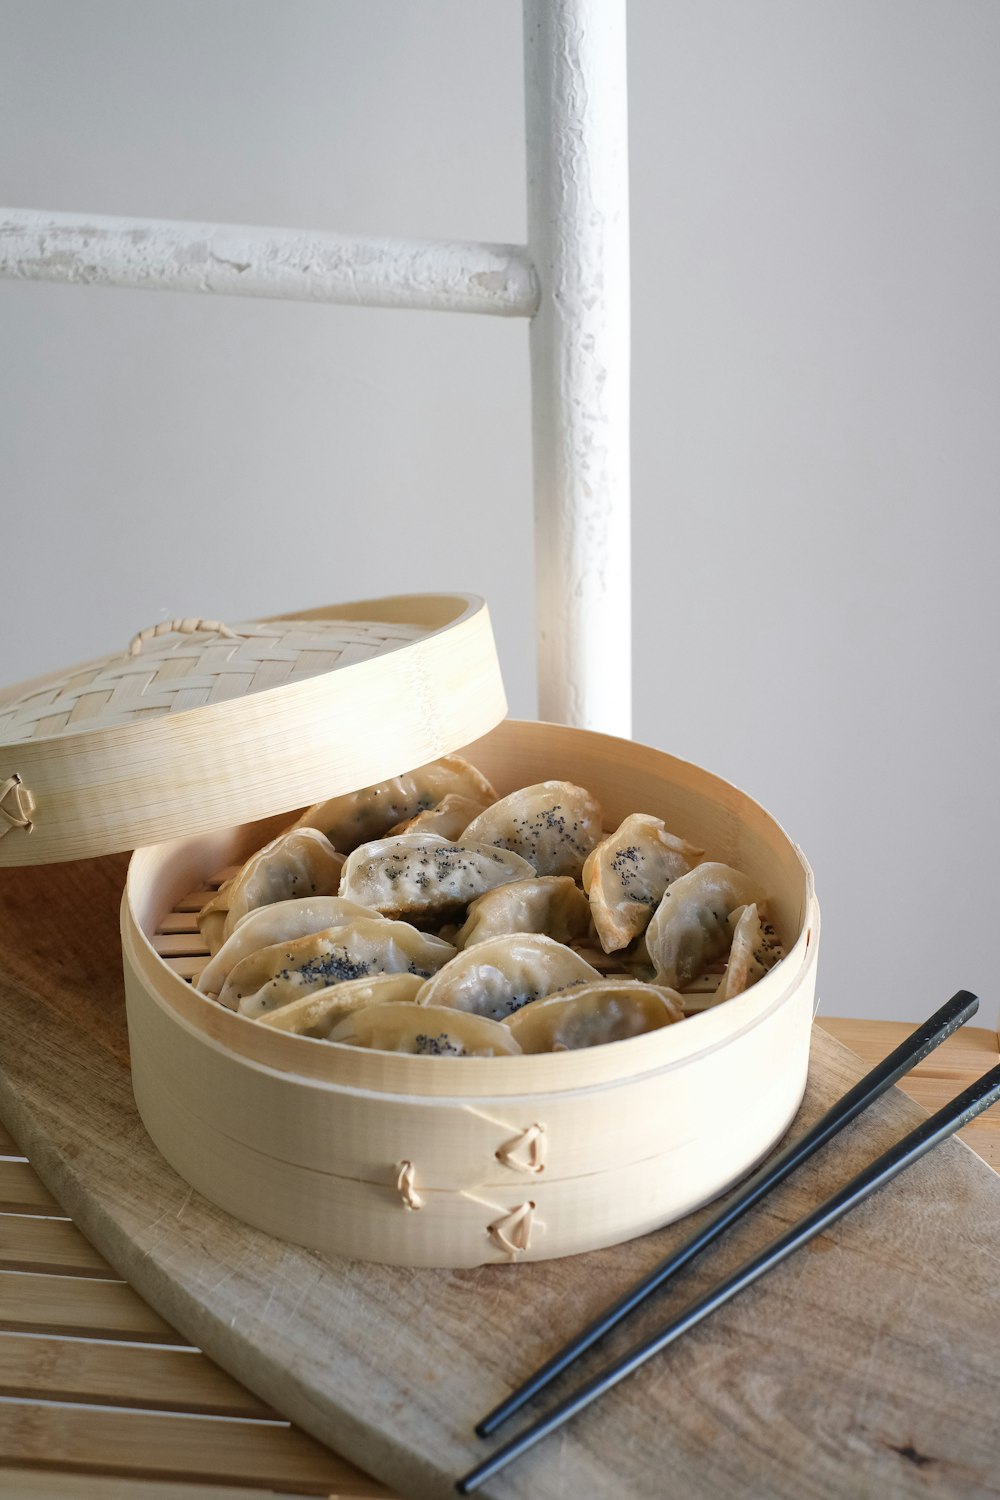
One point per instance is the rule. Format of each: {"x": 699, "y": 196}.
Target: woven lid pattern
{"x": 181, "y": 672}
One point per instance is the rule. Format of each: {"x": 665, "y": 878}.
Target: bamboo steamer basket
{"x": 428, "y": 1161}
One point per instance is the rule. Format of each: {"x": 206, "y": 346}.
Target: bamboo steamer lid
{"x": 197, "y": 725}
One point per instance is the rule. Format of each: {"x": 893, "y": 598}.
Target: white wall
{"x": 816, "y": 368}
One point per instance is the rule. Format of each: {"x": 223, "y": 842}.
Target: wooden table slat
{"x": 965, "y": 1055}
{"x": 153, "y": 1445}
{"x": 951, "y": 1067}
{"x": 53, "y": 1245}
{"x": 41, "y": 1484}
{"x": 110, "y": 1374}
{"x": 22, "y": 1192}
{"x": 80, "y": 1306}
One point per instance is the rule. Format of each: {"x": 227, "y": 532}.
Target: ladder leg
{"x": 577, "y": 147}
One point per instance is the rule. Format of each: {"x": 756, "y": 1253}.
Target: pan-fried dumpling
{"x": 497, "y": 977}
{"x": 358, "y": 817}
{"x": 449, "y": 819}
{"x": 592, "y": 1014}
{"x": 317, "y": 1014}
{"x": 627, "y": 874}
{"x": 285, "y": 971}
{"x": 212, "y": 918}
{"x": 300, "y": 862}
{"x": 553, "y": 904}
{"x": 756, "y": 949}
{"x": 690, "y": 927}
{"x": 423, "y": 877}
{"x": 429, "y": 1030}
{"x": 553, "y": 825}
{"x": 279, "y": 923}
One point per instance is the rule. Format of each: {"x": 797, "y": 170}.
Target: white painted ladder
{"x": 571, "y": 280}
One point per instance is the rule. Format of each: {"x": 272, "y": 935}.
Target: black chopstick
{"x": 970, "y": 1103}
{"x": 906, "y": 1056}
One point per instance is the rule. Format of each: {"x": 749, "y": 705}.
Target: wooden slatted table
{"x": 104, "y": 1401}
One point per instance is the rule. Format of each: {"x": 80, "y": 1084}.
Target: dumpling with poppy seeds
{"x": 426, "y": 1030}
{"x": 368, "y": 945}
{"x": 755, "y": 950}
{"x": 690, "y": 928}
{"x": 281, "y": 922}
{"x": 300, "y": 862}
{"x": 425, "y": 878}
{"x": 553, "y": 825}
{"x": 553, "y": 904}
{"x": 591, "y": 1015}
{"x": 497, "y": 977}
{"x": 358, "y": 817}
{"x": 317, "y": 1014}
{"x": 448, "y": 819}
{"x": 626, "y": 875}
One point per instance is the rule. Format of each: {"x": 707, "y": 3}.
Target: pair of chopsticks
{"x": 965, "y": 1107}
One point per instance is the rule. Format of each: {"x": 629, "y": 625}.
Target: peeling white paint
{"x": 291, "y": 264}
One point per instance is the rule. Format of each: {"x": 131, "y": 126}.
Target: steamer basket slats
{"x": 180, "y": 945}
{"x": 459, "y": 1162}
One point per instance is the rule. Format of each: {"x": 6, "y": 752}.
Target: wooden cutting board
{"x": 868, "y": 1365}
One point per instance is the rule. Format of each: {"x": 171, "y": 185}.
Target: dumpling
{"x": 423, "y": 877}
{"x": 448, "y": 819}
{"x": 553, "y": 825}
{"x": 280, "y": 922}
{"x": 316, "y": 1015}
{"x": 627, "y": 874}
{"x": 553, "y": 904}
{"x": 300, "y": 862}
{"x": 605, "y": 1011}
{"x": 358, "y": 817}
{"x": 428, "y": 1030}
{"x": 755, "y": 949}
{"x": 212, "y": 918}
{"x": 690, "y": 927}
{"x": 285, "y": 971}
{"x": 497, "y": 977}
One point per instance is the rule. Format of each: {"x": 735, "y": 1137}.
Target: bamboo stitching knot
{"x": 526, "y": 1152}
{"x": 512, "y": 1233}
{"x": 187, "y": 626}
{"x": 405, "y": 1188}
{"x": 16, "y": 805}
